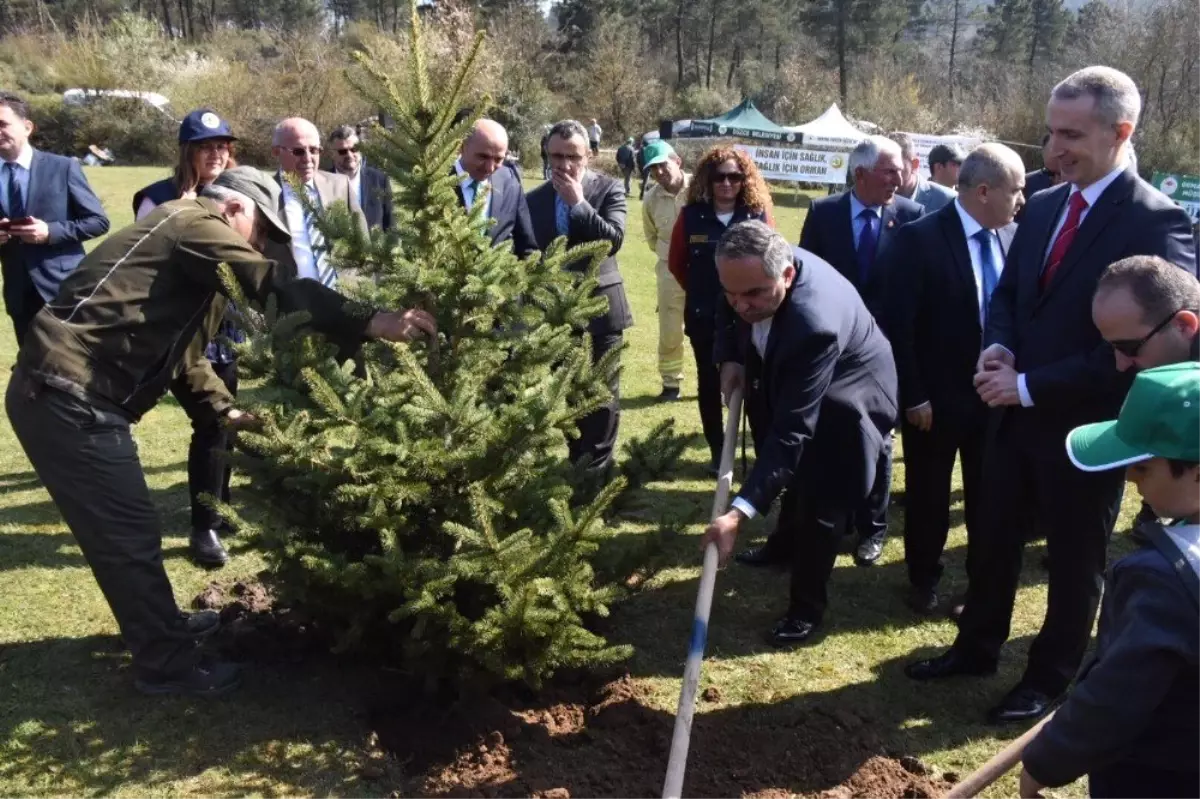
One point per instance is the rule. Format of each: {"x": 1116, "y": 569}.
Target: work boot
{"x": 208, "y": 678}
{"x": 206, "y": 549}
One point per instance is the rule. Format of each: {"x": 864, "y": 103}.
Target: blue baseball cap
{"x": 203, "y": 123}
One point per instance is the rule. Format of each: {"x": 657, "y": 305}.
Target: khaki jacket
{"x": 142, "y": 306}
{"x": 659, "y": 211}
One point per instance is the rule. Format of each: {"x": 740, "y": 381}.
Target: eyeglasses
{"x": 344, "y": 151}
{"x": 300, "y": 152}
{"x": 1130, "y": 348}
{"x": 728, "y": 177}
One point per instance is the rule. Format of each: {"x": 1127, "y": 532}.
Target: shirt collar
{"x": 970, "y": 225}
{"x": 25, "y": 157}
{"x": 464, "y": 177}
{"x": 1092, "y": 193}
{"x": 857, "y": 206}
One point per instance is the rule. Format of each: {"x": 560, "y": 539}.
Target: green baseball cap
{"x": 656, "y": 152}
{"x": 1160, "y": 419}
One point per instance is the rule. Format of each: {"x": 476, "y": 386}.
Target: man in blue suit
{"x": 481, "y": 165}
{"x": 49, "y": 210}
{"x": 853, "y": 231}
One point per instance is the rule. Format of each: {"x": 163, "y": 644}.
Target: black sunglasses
{"x": 1130, "y": 348}
{"x": 347, "y": 150}
{"x": 300, "y": 152}
{"x": 728, "y": 177}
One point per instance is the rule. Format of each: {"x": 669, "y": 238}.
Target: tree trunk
{"x": 678, "y": 42}
{"x": 734, "y": 63}
{"x": 712, "y": 38}
{"x": 953, "y": 47}
{"x": 778, "y": 55}
{"x": 843, "y": 11}
{"x": 166, "y": 12}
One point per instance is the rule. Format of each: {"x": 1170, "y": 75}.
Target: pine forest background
{"x": 932, "y": 66}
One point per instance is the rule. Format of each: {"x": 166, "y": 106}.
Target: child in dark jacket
{"x": 1132, "y": 722}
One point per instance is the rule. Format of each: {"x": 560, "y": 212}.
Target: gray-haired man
{"x": 823, "y": 381}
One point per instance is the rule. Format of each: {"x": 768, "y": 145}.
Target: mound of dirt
{"x": 254, "y": 628}
{"x": 608, "y": 742}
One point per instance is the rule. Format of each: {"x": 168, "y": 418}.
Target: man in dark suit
{"x": 853, "y": 231}
{"x": 372, "y": 187}
{"x": 944, "y": 269}
{"x": 1046, "y": 177}
{"x": 823, "y": 375}
{"x": 1047, "y": 369}
{"x": 49, "y": 210}
{"x": 586, "y": 206}
{"x": 481, "y": 166}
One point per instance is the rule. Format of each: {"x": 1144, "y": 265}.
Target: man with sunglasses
{"x": 296, "y": 145}
{"x": 368, "y": 184}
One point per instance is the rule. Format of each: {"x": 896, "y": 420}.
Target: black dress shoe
{"x": 1021, "y": 704}
{"x": 950, "y": 663}
{"x": 210, "y": 678}
{"x": 766, "y": 556}
{"x": 868, "y": 551}
{"x": 668, "y": 394}
{"x": 206, "y": 549}
{"x": 202, "y": 623}
{"x": 923, "y": 600}
{"x": 792, "y": 632}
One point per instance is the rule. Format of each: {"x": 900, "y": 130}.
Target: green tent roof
{"x": 744, "y": 121}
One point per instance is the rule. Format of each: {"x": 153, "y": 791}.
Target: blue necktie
{"x": 867, "y": 241}
{"x": 562, "y": 216}
{"x": 987, "y": 268}
{"x": 16, "y": 202}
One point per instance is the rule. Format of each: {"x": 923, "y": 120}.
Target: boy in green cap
{"x": 1131, "y": 722}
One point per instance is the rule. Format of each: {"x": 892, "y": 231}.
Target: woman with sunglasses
{"x": 206, "y": 149}
{"x": 727, "y": 189}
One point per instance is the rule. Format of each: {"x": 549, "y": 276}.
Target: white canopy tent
{"x": 831, "y": 130}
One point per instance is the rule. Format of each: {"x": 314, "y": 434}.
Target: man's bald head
{"x": 484, "y": 149}
{"x": 296, "y": 145}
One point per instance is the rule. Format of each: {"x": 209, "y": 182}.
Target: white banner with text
{"x": 796, "y": 164}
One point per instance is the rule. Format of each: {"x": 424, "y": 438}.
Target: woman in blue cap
{"x": 206, "y": 149}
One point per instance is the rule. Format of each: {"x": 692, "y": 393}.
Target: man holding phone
{"x": 47, "y": 211}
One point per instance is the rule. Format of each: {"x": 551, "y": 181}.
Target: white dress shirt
{"x": 971, "y": 228}
{"x": 760, "y": 334}
{"x": 468, "y": 193}
{"x": 1091, "y": 194}
{"x": 356, "y": 185}
{"x": 308, "y": 263}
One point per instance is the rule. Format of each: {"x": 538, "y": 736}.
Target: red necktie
{"x": 1062, "y": 243}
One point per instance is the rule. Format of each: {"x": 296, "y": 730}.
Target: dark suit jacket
{"x": 60, "y": 196}
{"x": 1070, "y": 372}
{"x": 827, "y": 388}
{"x": 601, "y": 215}
{"x": 376, "y": 198}
{"x": 828, "y": 234}
{"x": 933, "y": 321}
{"x": 1035, "y": 181}
{"x": 509, "y": 211}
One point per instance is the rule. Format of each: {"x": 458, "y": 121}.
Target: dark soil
{"x": 581, "y": 738}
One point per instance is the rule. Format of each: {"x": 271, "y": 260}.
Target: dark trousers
{"x": 811, "y": 522}
{"x": 87, "y": 459}
{"x": 871, "y": 517}
{"x": 22, "y": 315}
{"x": 1027, "y": 478}
{"x": 1123, "y": 780}
{"x": 928, "y": 472}
{"x": 628, "y": 173}
{"x": 208, "y": 462}
{"x": 598, "y": 430}
{"x": 708, "y": 394}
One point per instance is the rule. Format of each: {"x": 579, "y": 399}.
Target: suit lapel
{"x": 541, "y": 208}
{"x": 887, "y": 227}
{"x": 844, "y": 228}
{"x": 31, "y": 194}
{"x": 960, "y": 252}
{"x": 1028, "y": 280}
{"x": 778, "y": 322}
{"x": 1098, "y": 218}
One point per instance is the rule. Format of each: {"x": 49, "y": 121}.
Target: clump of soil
{"x": 611, "y": 743}
{"x": 254, "y": 628}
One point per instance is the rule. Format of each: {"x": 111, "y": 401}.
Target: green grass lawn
{"x": 70, "y": 722}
